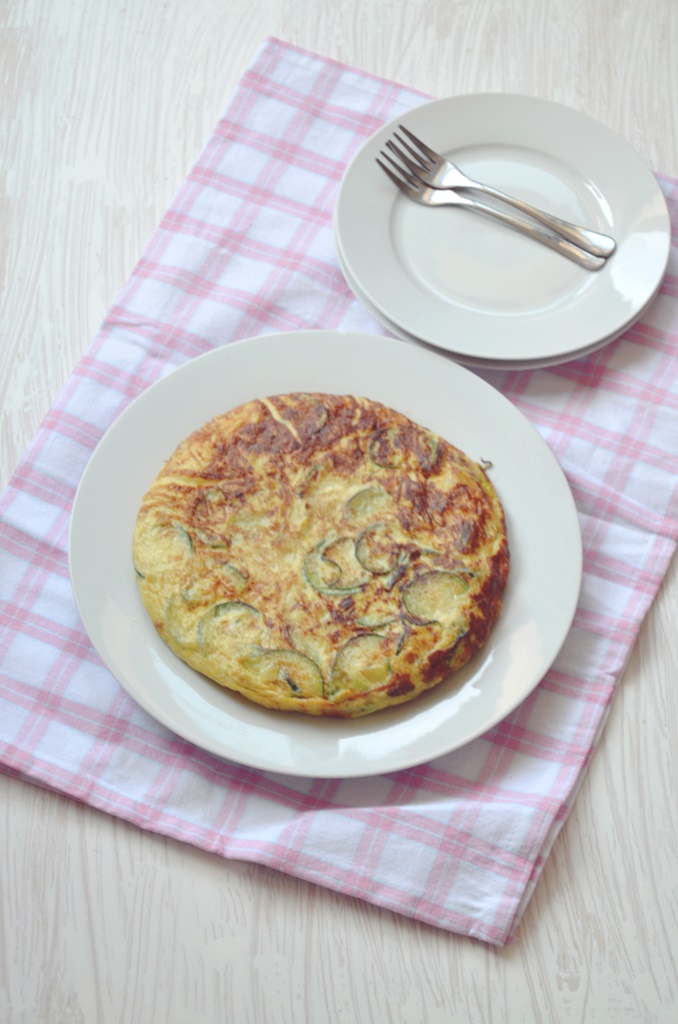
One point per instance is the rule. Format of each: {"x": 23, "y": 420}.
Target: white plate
{"x": 541, "y": 519}
{"x": 460, "y": 281}
{"x": 477, "y": 364}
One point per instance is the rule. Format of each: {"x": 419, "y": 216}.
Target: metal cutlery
{"x": 416, "y": 190}
{"x": 422, "y": 164}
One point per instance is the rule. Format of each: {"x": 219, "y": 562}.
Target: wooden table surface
{"x": 105, "y": 105}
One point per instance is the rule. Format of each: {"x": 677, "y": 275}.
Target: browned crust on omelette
{"x": 322, "y": 554}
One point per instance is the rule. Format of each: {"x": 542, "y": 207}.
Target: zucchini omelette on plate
{"x": 321, "y": 553}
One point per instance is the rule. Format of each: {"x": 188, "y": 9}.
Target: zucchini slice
{"x": 290, "y": 671}
{"x": 330, "y": 575}
{"x": 212, "y": 540}
{"x": 230, "y": 574}
{"x": 374, "y": 622}
{"x": 368, "y": 502}
{"x": 376, "y": 550}
{"x": 361, "y": 664}
{"x": 382, "y": 448}
{"x": 428, "y": 449}
{"x": 235, "y": 611}
{"x": 230, "y": 623}
{"x": 185, "y": 536}
{"x": 208, "y": 588}
{"x": 200, "y": 591}
{"x": 322, "y": 573}
{"x": 161, "y": 547}
{"x": 342, "y": 552}
{"x": 433, "y": 596}
{"x": 312, "y": 477}
{"x": 398, "y": 570}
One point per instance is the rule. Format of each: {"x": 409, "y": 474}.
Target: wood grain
{"x": 104, "y": 107}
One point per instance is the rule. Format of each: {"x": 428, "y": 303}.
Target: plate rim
{"x": 114, "y": 438}
{"x": 478, "y": 364}
{"x": 441, "y": 338}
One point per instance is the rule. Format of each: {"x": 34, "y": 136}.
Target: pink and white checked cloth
{"x": 247, "y": 248}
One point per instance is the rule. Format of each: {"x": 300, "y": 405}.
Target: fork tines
{"x": 403, "y": 179}
{"x": 429, "y": 153}
{"x": 413, "y": 163}
{"x": 415, "y": 166}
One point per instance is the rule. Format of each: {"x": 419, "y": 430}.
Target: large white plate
{"x": 542, "y": 524}
{"x": 464, "y": 283}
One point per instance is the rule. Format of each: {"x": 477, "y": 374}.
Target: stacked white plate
{"x": 485, "y": 293}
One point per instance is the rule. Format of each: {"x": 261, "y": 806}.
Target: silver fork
{"x": 438, "y": 172}
{"x": 415, "y": 189}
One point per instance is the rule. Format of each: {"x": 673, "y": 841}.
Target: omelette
{"x": 321, "y": 554}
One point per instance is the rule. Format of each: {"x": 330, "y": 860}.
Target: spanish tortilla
{"x": 321, "y": 554}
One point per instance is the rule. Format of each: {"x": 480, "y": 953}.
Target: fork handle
{"x": 593, "y": 241}
{"x": 561, "y": 245}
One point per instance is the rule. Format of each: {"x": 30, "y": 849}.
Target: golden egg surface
{"x": 322, "y": 554}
